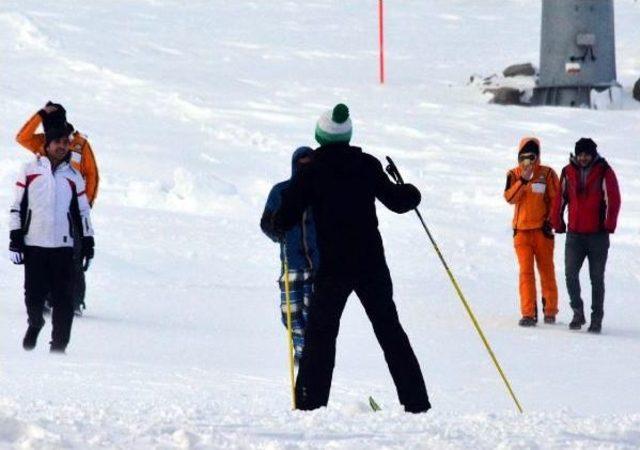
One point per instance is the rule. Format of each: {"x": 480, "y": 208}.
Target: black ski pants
{"x": 374, "y": 288}
{"x": 595, "y": 248}
{"x": 79, "y": 284}
{"x": 50, "y": 270}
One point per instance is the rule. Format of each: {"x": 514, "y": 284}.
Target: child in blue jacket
{"x": 302, "y": 255}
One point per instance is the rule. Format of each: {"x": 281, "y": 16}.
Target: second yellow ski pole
{"x": 395, "y": 174}
{"x": 287, "y": 295}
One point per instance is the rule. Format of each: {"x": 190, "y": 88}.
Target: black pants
{"x": 595, "y": 247}
{"x": 79, "y": 285}
{"x": 50, "y": 270}
{"x": 374, "y": 289}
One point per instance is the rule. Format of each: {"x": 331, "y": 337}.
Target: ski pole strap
{"x": 393, "y": 171}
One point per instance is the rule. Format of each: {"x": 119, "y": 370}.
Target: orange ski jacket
{"x": 533, "y": 199}
{"x": 82, "y": 157}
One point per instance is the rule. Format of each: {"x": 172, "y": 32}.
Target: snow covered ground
{"x": 193, "y": 109}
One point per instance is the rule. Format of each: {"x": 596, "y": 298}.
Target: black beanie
{"x": 530, "y": 147}
{"x": 55, "y": 133}
{"x": 586, "y": 145}
{"x": 54, "y": 119}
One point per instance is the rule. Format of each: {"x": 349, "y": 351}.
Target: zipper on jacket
{"x": 70, "y": 225}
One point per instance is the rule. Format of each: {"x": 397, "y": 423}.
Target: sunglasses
{"x": 530, "y": 156}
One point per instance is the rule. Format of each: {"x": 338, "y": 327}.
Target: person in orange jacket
{"x": 82, "y": 158}
{"x": 54, "y": 116}
{"x": 532, "y": 188}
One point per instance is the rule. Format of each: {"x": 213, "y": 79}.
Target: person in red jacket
{"x": 589, "y": 188}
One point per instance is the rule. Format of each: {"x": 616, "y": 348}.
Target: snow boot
{"x": 550, "y": 319}
{"x": 417, "y": 408}
{"x": 57, "y": 348}
{"x": 578, "y": 320}
{"x": 30, "y": 338}
{"x": 596, "y": 324}
{"x": 527, "y": 322}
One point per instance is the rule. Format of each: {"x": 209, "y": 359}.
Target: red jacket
{"x": 592, "y": 195}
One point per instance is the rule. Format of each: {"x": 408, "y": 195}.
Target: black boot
{"x": 417, "y": 408}
{"x": 527, "y": 322}
{"x": 31, "y": 338}
{"x": 596, "y": 324}
{"x": 578, "y": 320}
{"x": 57, "y": 348}
{"x": 549, "y": 319}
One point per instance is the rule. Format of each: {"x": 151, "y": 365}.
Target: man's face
{"x": 302, "y": 161}
{"x": 58, "y": 149}
{"x": 526, "y": 159}
{"x": 584, "y": 159}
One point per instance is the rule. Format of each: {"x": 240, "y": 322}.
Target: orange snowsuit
{"x": 82, "y": 158}
{"x": 533, "y": 238}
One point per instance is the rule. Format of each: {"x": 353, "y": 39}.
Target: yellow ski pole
{"x": 395, "y": 174}
{"x": 287, "y": 295}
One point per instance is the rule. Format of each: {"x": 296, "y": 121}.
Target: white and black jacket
{"x": 50, "y": 207}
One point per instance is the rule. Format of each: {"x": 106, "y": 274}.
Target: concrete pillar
{"x": 577, "y": 52}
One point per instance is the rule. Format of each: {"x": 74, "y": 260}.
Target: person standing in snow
{"x": 589, "y": 188}
{"x": 301, "y": 253}
{"x": 341, "y": 185}
{"x": 49, "y": 215}
{"x": 53, "y": 115}
{"x": 532, "y": 188}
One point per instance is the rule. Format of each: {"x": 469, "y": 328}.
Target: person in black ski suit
{"x": 341, "y": 184}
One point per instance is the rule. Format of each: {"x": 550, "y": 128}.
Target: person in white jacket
{"x": 49, "y": 213}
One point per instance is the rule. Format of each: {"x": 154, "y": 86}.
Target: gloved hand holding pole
{"x": 393, "y": 171}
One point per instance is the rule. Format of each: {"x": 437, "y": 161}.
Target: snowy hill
{"x": 193, "y": 109}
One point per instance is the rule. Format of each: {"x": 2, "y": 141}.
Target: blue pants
{"x": 300, "y": 293}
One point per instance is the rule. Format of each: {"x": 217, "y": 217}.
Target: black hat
{"x": 531, "y": 146}
{"x": 54, "y": 119}
{"x": 55, "y": 133}
{"x": 586, "y": 145}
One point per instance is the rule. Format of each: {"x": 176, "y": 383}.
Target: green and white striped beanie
{"x": 334, "y": 126}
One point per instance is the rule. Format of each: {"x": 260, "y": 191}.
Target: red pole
{"x": 381, "y": 17}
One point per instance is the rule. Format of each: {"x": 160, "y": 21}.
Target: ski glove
{"x": 16, "y": 246}
{"x": 87, "y": 251}
{"x": 547, "y": 230}
{"x": 16, "y": 257}
{"x": 562, "y": 228}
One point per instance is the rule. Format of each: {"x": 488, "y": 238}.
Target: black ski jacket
{"x": 341, "y": 184}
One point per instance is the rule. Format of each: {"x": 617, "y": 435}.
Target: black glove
{"x": 547, "y": 230}
{"x": 16, "y": 246}
{"x": 87, "y": 251}
{"x": 562, "y": 229}
{"x": 276, "y": 230}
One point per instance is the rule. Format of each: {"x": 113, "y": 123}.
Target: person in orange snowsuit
{"x": 532, "y": 188}
{"x": 54, "y": 116}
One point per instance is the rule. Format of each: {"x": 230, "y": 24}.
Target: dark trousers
{"x": 594, "y": 247}
{"x": 79, "y": 285}
{"x": 50, "y": 270}
{"x": 374, "y": 289}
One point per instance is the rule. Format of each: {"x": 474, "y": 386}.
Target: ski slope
{"x": 193, "y": 110}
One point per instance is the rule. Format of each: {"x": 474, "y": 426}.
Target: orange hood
{"x": 524, "y": 141}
